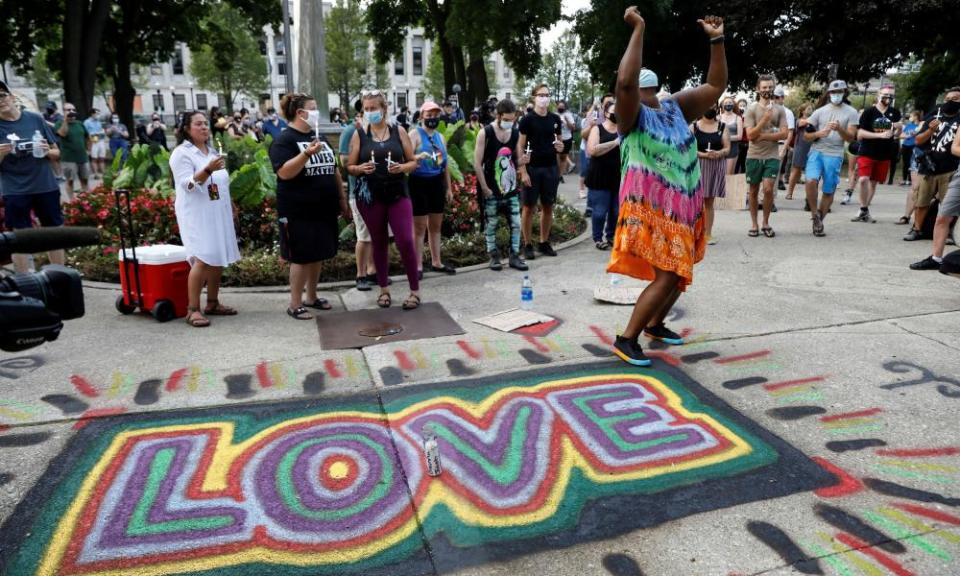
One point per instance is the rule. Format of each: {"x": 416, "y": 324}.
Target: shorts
{"x": 544, "y": 181}
{"x": 825, "y": 168}
{"x": 932, "y": 186}
{"x": 734, "y": 149}
{"x": 45, "y": 206}
{"x": 363, "y": 234}
{"x": 758, "y": 170}
{"x": 428, "y": 194}
{"x": 73, "y": 170}
{"x": 950, "y": 205}
{"x": 567, "y": 146}
{"x": 308, "y": 241}
{"x": 875, "y": 170}
{"x": 100, "y": 149}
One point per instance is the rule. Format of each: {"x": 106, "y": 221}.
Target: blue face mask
{"x": 373, "y": 117}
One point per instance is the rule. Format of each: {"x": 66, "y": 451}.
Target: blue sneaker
{"x": 630, "y": 352}
{"x": 663, "y": 334}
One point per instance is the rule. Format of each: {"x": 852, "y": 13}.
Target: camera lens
{"x": 58, "y": 287}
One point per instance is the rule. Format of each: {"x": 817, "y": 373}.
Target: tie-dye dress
{"x": 661, "y": 200}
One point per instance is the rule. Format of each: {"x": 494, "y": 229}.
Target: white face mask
{"x": 836, "y": 98}
{"x": 506, "y": 124}
{"x": 542, "y": 101}
{"x": 313, "y": 118}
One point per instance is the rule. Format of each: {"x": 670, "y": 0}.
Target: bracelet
{"x": 717, "y": 39}
{"x": 207, "y": 171}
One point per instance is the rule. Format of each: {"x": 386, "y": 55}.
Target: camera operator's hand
{"x": 45, "y": 147}
{"x": 218, "y": 163}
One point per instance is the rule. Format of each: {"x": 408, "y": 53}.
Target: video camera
{"x": 33, "y": 305}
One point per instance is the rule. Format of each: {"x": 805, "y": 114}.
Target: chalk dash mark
{"x": 66, "y": 403}
{"x": 21, "y": 440}
{"x": 239, "y": 386}
{"x": 795, "y": 412}
{"x": 782, "y": 544}
{"x": 313, "y": 383}
{"x": 148, "y": 392}
{"x": 694, "y": 358}
{"x": 533, "y": 357}
{"x": 621, "y": 565}
{"x": 458, "y": 368}
{"x": 597, "y": 350}
{"x": 839, "y": 446}
{"x": 743, "y": 382}
{"x": 847, "y": 522}
{"x": 391, "y": 375}
{"x": 888, "y": 488}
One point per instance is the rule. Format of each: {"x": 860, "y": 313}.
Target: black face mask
{"x": 766, "y": 95}
{"x": 728, "y": 107}
{"x": 431, "y": 123}
{"x": 612, "y": 117}
{"x": 710, "y": 114}
{"x": 561, "y": 110}
{"x": 950, "y": 107}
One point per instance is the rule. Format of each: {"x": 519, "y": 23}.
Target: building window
{"x": 201, "y": 101}
{"x": 178, "y": 61}
{"x": 156, "y": 70}
{"x": 398, "y": 65}
{"x": 263, "y": 47}
{"x": 507, "y": 97}
{"x": 401, "y": 100}
{"x": 158, "y": 102}
{"x": 278, "y": 45}
{"x": 420, "y": 99}
{"x": 418, "y": 61}
{"x": 281, "y": 68}
{"x": 179, "y": 103}
{"x": 506, "y": 72}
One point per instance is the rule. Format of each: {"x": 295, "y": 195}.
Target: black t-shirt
{"x": 541, "y": 132}
{"x": 873, "y": 120}
{"x": 938, "y": 146}
{"x": 313, "y": 193}
{"x": 604, "y": 172}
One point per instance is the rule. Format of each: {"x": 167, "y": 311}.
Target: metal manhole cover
{"x": 380, "y": 330}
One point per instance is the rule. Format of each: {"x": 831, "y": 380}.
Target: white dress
{"x": 204, "y": 211}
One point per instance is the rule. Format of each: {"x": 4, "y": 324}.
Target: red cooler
{"x": 161, "y": 272}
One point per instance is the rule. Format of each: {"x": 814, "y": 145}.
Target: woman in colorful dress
{"x": 660, "y": 235}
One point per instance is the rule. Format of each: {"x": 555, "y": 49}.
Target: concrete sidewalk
{"x": 827, "y": 356}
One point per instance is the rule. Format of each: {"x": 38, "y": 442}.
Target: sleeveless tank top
{"x": 714, "y": 139}
{"x": 381, "y": 186}
{"x": 434, "y": 146}
{"x": 499, "y": 167}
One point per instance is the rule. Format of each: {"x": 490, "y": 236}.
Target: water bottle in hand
{"x": 38, "y": 151}
{"x": 526, "y": 294}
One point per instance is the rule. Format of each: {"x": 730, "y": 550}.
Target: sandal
{"x": 753, "y": 233}
{"x": 384, "y": 300}
{"x": 412, "y": 302}
{"x": 300, "y": 313}
{"x": 218, "y": 309}
{"x": 445, "y": 268}
{"x": 319, "y": 304}
{"x": 768, "y": 232}
{"x": 196, "y": 319}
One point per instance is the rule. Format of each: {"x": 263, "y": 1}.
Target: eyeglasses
{"x": 542, "y": 94}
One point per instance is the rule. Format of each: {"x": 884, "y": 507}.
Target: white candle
{"x": 389, "y": 158}
{"x": 220, "y": 147}
{"x": 708, "y": 146}
{"x": 938, "y": 114}
{"x": 528, "y": 148}
{"x": 372, "y": 159}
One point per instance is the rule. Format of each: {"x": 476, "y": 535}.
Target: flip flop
{"x": 196, "y": 319}
{"x": 768, "y": 232}
{"x": 319, "y": 304}
{"x": 753, "y": 233}
{"x": 300, "y": 313}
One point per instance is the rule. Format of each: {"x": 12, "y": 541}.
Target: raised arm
{"x": 695, "y": 101}
{"x": 628, "y": 74}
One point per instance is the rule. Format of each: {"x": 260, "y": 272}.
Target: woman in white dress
{"x": 204, "y": 215}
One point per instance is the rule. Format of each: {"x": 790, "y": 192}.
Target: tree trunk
{"x": 460, "y": 67}
{"x": 123, "y": 90}
{"x": 73, "y": 26}
{"x": 479, "y": 86}
{"x": 83, "y": 27}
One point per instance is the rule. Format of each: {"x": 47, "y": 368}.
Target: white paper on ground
{"x": 510, "y": 320}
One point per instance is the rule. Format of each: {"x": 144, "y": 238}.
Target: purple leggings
{"x": 399, "y": 216}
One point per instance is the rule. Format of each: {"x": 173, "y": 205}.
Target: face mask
{"x": 728, "y": 107}
{"x": 766, "y": 94}
{"x": 373, "y": 117}
{"x": 950, "y": 107}
{"x": 887, "y": 100}
{"x": 114, "y": 120}
{"x": 836, "y": 98}
{"x": 273, "y": 116}
{"x": 710, "y": 114}
{"x": 542, "y": 101}
{"x": 313, "y": 118}
{"x": 506, "y": 124}
{"x": 612, "y": 117}
{"x": 561, "y": 110}
{"x": 431, "y": 123}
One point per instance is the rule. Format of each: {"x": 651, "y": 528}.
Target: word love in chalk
{"x": 334, "y": 488}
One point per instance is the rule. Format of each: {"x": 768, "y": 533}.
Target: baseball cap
{"x": 428, "y": 106}
{"x": 648, "y": 78}
{"x": 779, "y": 93}
{"x": 837, "y": 85}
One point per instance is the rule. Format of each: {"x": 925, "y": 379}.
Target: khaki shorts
{"x": 932, "y": 186}
{"x": 100, "y": 149}
{"x": 363, "y": 234}
{"x": 73, "y": 170}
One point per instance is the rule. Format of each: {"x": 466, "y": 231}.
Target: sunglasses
{"x": 374, "y": 92}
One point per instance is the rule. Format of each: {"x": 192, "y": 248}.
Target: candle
{"x": 389, "y": 158}
{"x": 316, "y": 130}
{"x": 528, "y": 148}
{"x": 708, "y": 146}
{"x": 372, "y": 159}
{"x": 938, "y": 114}
{"x": 220, "y": 146}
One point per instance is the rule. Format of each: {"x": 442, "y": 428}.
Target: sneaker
{"x": 712, "y": 240}
{"x": 927, "y": 263}
{"x": 495, "y": 263}
{"x": 588, "y": 213}
{"x": 546, "y": 249}
{"x": 363, "y": 284}
{"x": 528, "y": 252}
{"x": 818, "y": 224}
{"x": 847, "y": 196}
{"x": 863, "y": 216}
{"x": 663, "y": 334}
{"x": 630, "y": 352}
{"x": 517, "y": 263}
{"x": 912, "y": 235}
{"x": 781, "y": 186}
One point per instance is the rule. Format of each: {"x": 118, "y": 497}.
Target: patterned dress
{"x": 661, "y": 199}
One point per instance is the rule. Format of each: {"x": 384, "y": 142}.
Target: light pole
{"x": 159, "y": 98}
{"x": 287, "y": 55}
{"x": 193, "y": 101}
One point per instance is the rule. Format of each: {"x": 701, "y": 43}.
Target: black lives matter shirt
{"x": 873, "y": 120}
{"x": 541, "y": 131}
{"x": 938, "y": 147}
{"x": 313, "y": 193}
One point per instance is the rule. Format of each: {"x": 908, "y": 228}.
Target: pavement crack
{"x": 921, "y": 335}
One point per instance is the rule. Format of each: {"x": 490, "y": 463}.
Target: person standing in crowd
{"x": 74, "y": 143}
{"x": 786, "y": 145}
{"x": 497, "y": 180}
{"x": 936, "y": 164}
{"x": 660, "y": 232}
{"x": 949, "y": 206}
{"x": 448, "y": 115}
{"x": 741, "y": 165}
{"x": 236, "y": 129}
{"x": 474, "y": 122}
{"x": 829, "y": 127}
{"x": 766, "y": 124}
{"x": 98, "y": 143}
{"x": 456, "y": 112}
{"x": 430, "y": 188}
{"x": 590, "y": 119}
{"x": 157, "y": 131}
{"x": 879, "y": 128}
{"x": 381, "y": 157}
{"x": 310, "y": 197}
{"x": 119, "y": 137}
{"x": 204, "y": 215}
{"x": 363, "y": 252}
{"x": 273, "y": 124}
{"x": 713, "y": 148}
{"x": 537, "y": 148}
{"x": 909, "y": 151}
{"x": 603, "y": 179}
{"x": 28, "y": 182}
{"x": 567, "y": 126}
{"x": 801, "y": 148}
{"x": 403, "y": 118}
{"x": 730, "y": 117}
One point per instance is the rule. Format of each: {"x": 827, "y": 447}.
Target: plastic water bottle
{"x": 526, "y": 293}
{"x": 38, "y": 145}
{"x": 432, "y": 452}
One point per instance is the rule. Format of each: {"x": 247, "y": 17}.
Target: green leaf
{"x": 454, "y": 168}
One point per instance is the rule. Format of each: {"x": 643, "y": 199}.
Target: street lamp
{"x": 159, "y": 101}
{"x": 193, "y": 101}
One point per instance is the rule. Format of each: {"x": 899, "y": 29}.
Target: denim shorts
{"x": 826, "y": 168}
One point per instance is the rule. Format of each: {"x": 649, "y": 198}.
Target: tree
{"x": 229, "y": 61}
{"x": 564, "y": 68}
{"x": 348, "y": 55}
{"x": 433, "y": 79}
{"x": 39, "y": 74}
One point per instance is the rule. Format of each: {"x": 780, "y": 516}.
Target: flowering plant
{"x": 153, "y": 215}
